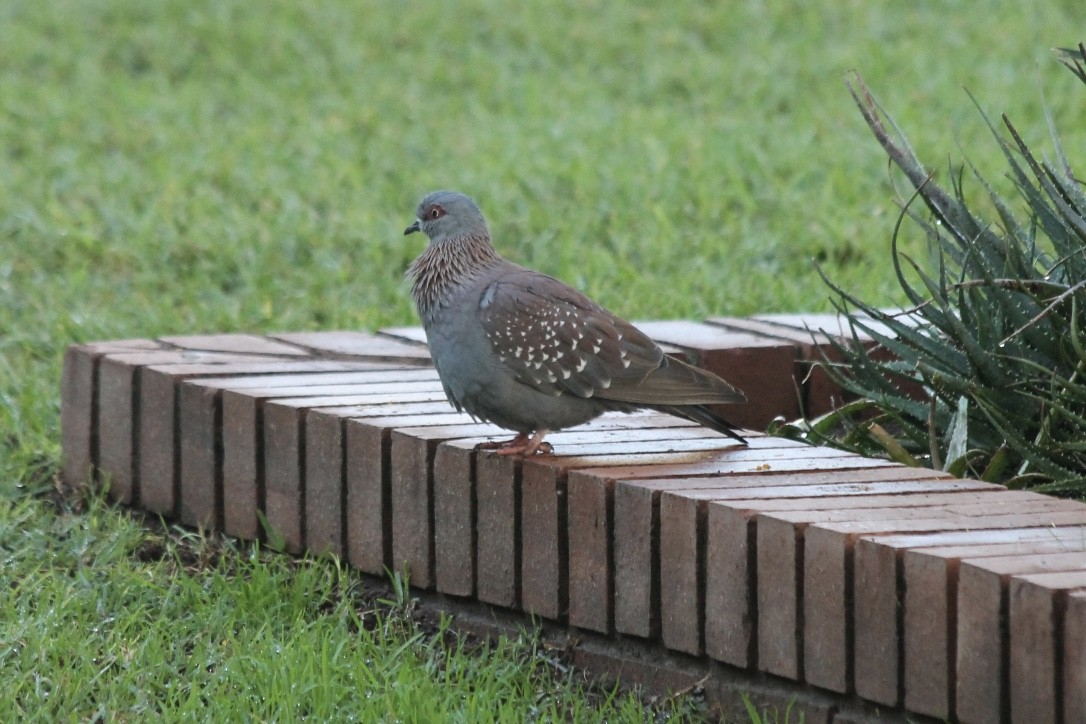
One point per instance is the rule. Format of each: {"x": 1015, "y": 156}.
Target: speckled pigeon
{"x": 528, "y": 353}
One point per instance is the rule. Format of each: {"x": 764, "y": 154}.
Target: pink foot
{"x": 520, "y": 445}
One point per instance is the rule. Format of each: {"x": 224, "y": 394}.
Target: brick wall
{"x": 856, "y": 584}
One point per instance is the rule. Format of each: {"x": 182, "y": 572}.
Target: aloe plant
{"x": 985, "y": 374}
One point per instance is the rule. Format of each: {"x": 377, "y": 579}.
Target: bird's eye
{"x": 435, "y": 212}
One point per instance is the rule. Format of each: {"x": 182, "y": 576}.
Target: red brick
{"x": 199, "y": 415}
{"x": 765, "y": 456}
{"x": 413, "y": 512}
{"x": 760, "y": 366}
{"x": 318, "y": 374}
{"x": 737, "y": 461}
{"x": 284, "y": 484}
{"x": 833, "y": 325}
{"x": 806, "y": 496}
{"x": 982, "y": 636}
{"x": 284, "y": 507}
{"x": 326, "y": 489}
{"x": 929, "y": 621}
{"x": 838, "y": 325}
{"x": 369, "y": 497}
{"x": 637, "y": 564}
{"x": 729, "y": 629}
{"x": 981, "y": 645}
{"x": 544, "y": 490}
{"x": 454, "y": 520}
{"x": 820, "y": 393}
{"x": 682, "y": 576}
{"x": 672, "y": 441}
{"x": 358, "y": 344}
{"x": 241, "y": 343}
{"x": 545, "y": 537}
{"x": 121, "y": 346}
{"x": 590, "y": 553}
{"x": 543, "y": 494}
{"x": 875, "y": 607}
{"x": 200, "y": 448}
{"x": 1074, "y": 658}
{"x": 1037, "y": 604}
{"x": 497, "y": 480}
{"x": 116, "y": 412}
{"x": 875, "y": 634}
{"x": 779, "y": 576}
{"x": 412, "y": 499}
{"x": 243, "y": 464}
{"x": 369, "y": 486}
{"x": 730, "y": 619}
{"x": 80, "y": 401}
{"x": 826, "y": 627}
{"x": 257, "y": 367}
{"x": 329, "y": 522}
{"x": 244, "y": 409}
{"x": 937, "y": 524}
{"x": 378, "y": 390}
{"x": 789, "y": 582}
{"x": 637, "y": 521}
{"x": 636, "y": 420}
{"x": 659, "y": 558}
{"x": 810, "y": 483}
{"x": 325, "y": 482}
{"x": 930, "y": 634}
{"x": 159, "y": 455}
{"x": 119, "y": 413}
{"x": 455, "y": 516}
{"x": 977, "y": 537}
{"x": 1016, "y": 502}
{"x": 159, "y": 459}
{"x": 585, "y": 440}
{"x": 78, "y": 430}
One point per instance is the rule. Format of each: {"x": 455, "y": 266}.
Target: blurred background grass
{"x": 213, "y": 166}
{"x": 181, "y": 167}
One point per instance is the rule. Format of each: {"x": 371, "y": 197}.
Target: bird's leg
{"x": 519, "y": 442}
{"x": 536, "y": 445}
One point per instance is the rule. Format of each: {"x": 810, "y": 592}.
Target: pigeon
{"x": 531, "y": 354}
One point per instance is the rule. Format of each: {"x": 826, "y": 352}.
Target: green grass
{"x": 105, "y": 617}
{"x": 177, "y": 167}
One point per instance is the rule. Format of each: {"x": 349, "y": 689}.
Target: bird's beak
{"x": 411, "y": 229}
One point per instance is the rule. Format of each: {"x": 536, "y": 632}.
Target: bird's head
{"x": 448, "y": 215}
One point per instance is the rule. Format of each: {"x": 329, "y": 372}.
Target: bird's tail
{"x": 704, "y": 416}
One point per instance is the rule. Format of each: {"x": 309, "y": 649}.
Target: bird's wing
{"x": 555, "y": 339}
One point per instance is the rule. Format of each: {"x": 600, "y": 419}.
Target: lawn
{"x": 180, "y": 167}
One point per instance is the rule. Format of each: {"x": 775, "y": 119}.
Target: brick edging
{"x": 858, "y": 578}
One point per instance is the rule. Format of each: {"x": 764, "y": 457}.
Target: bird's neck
{"x": 446, "y": 265}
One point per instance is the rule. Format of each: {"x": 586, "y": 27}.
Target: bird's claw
{"x": 521, "y": 445}
{"x": 543, "y": 448}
